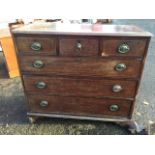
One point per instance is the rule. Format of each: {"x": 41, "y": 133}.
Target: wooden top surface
{"x": 81, "y": 29}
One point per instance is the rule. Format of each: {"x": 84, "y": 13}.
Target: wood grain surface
{"x": 80, "y": 87}
{"x": 96, "y": 67}
{"x": 48, "y": 44}
{"x": 109, "y": 46}
{"x": 89, "y": 46}
{"x": 78, "y": 106}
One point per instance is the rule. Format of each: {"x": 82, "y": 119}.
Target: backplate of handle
{"x": 117, "y": 88}
{"x": 114, "y": 107}
{"x": 43, "y": 103}
{"x": 41, "y": 85}
{"x": 120, "y": 67}
{"x": 36, "y": 46}
{"x": 123, "y": 48}
{"x": 38, "y": 64}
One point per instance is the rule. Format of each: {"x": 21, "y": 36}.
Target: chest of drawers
{"x": 77, "y": 71}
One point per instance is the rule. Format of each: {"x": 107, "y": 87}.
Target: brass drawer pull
{"x": 44, "y": 103}
{"x": 36, "y": 46}
{"x": 41, "y": 85}
{"x": 116, "y": 88}
{"x": 38, "y": 64}
{"x": 120, "y": 67}
{"x": 114, "y": 107}
{"x": 123, "y": 48}
{"x": 78, "y": 45}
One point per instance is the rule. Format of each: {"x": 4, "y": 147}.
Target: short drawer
{"x": 79, "y": 106}
{"x": 36, "y": 44}
{"x": 78, "y": 46}
{"x": 123, "y": 46}
{"x": 80, "y": 87}
{"x": 97, "y": 67}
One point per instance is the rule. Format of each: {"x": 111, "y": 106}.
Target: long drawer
{"x": 97, "y": 67}
{"x": 80, "y": 87}
{"x": 79, "y": 106}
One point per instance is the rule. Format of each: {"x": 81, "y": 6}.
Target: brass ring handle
{"x": 117, "y": 88}
{"x": 120, "y": 67}
{"x": 43, "y": 103}
{"x": 38, "y": 64}
{"x": 40, "y": 85}
{"x": 123, "y": 48}
{"x": 36, "y": 46}
{"x": 114, "y": 107}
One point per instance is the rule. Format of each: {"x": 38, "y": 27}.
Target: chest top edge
{"x": 82, "y": 29}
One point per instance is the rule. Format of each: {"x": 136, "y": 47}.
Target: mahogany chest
{"x": 81, "y": 71}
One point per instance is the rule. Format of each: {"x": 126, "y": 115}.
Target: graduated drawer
{"x": 78, "y": 46}
{"x": 80, "y": 87}
{"x": 36, "y": 44}
{"x": 97, "y": 67}
{"x": 123, "y": 46}
{"x": 79, "y": 106}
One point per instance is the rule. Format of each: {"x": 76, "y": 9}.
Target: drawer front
{"x": 79, "y": 106}
{"x": 78, "y": 46}
{"x": 79, "y": 87}
{"x": 123, "y": 47}
{"x": 36, "y": 45}
{"x": 97, "y": 67}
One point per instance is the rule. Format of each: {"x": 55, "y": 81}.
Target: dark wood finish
{"x": 110, "y": 46}
{"x": 68, "y": 46}
{"x": 48, "y": 44}
{"x": 80, "y": 87}
{"x": 96, "y": 67}
{"x": 79, "y": 82}
{"x": 78, "y": 106}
